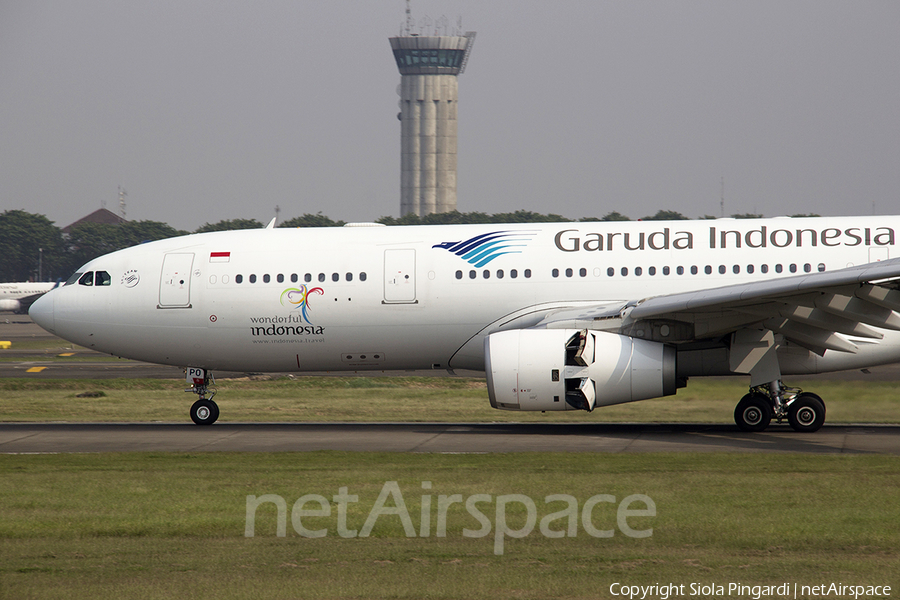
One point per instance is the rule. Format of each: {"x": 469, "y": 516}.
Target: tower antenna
{"x": 722, "y": 201}
{"x": 409, "y": 20}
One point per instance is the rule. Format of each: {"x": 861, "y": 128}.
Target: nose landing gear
{"x": 204, "y": 411}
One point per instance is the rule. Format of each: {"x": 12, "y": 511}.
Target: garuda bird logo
{"x": 482, "y": 249}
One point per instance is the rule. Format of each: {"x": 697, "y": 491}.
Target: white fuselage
{"x": 413, "y": 298}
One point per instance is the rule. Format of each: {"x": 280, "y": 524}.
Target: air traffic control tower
{"x": 429, "y": 66}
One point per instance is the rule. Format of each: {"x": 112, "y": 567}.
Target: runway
{"x": 440, "y": 438}
{"x": 53, "y": 359}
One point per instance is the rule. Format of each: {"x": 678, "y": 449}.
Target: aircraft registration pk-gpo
{"x": 560, "y": 316}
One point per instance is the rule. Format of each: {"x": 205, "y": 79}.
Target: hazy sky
{"x": 207, "y": 110}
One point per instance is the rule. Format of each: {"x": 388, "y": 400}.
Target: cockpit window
{"x": 91, "y": 278}
{"x": 73, "y": 278}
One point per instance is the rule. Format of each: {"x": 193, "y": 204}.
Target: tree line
{"x": 32, "y": 248}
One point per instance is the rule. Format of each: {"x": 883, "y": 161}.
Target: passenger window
{"x": 736, "y": 269}
{"x": 473, "y": 274}
{"x": 349, "y": 276}
{"x": 569, "y": 272}
{"x": 307, "y": 278}
{"x": 239, "y": 278}
{"x": 638, "y": 271}
{"x": 807, "y": 268}
{"x": 652, "y": 270}
{"x": 555, "y": 272}
{"x": 693, "y": 269}
{"x": 459, "y": 274}
{"x": 280, "y": 278}
{"x": 362, "y": 276}
{"x": 624, "y": 271}
{"x": 335, "y": 277}
{"x": 680, "y": 270}
{"x": 764, "y": 268}
{"x": 750, "y": 268}
{"x": 793, "y": 268}
{"x": 821, "y": 267}
{"x": 778, "y": 268}
{"x": 486, "y": 274}
{"x": 87, "y": 279}
{"x": 266, "y": 278}
{"x": 499, "y": 273}
{"x": 610, "y": 271}
{"x": 582, "y": 272}
{"x": 527, "y": 273}
{"x": 253, "y": 279}
{"x": 321, "y": 277}
{"x": 102, "y": 278}
{"x": 665, "y": 270}
{"x": 513, "y": 273}
{"x": 708, "y": 270}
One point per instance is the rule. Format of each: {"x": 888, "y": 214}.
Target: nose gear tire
{"x": 204, "y": 412}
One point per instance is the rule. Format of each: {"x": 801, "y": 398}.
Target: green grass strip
{"x": 172, "y": 525}
{"x": 445, "y": 399}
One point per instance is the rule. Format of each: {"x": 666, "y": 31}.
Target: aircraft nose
{"x": 41, "y": 312}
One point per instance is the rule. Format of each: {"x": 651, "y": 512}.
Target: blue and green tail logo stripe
{"x": 482, "y": 249}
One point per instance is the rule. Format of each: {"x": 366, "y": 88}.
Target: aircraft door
{"x": 400, "y": 276}
{"x": 175, "y": 282}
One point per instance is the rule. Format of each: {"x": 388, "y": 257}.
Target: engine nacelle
{"x": 13, "y": 305}
{"x": 572, "y": 369}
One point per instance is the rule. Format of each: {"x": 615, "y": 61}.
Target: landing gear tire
{"x": 753, "y": 412}
{"x": 204, "y": 412}
{"x": 806, "y": 413}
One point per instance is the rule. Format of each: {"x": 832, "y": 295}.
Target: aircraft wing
{"x": 819, "y": 311}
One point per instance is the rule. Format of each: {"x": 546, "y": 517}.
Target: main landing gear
{"x": 204, "y": 411}
{"x": 804, "y": 411}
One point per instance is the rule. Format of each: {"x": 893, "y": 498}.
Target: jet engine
{"x": 13, "y": 305}
{"x": 571, "y": 369}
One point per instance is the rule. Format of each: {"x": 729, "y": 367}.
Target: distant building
{"x": 101, "y": 216}
{"x": 429, "y": 66}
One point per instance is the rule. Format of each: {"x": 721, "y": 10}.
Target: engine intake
{"x": 571, "y": 369}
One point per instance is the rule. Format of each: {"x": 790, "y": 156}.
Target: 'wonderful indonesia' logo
{"x": 294, "y": 324}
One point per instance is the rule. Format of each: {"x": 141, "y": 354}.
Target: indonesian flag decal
{"x": 219, "y": 257}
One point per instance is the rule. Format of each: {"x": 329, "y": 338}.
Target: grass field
{"x": 168, "y": 525}
{"x": 444, "y": 399}
{"x": 173, "y": 525}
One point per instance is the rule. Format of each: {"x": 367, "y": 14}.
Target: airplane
{"x": 17, "y": 297}
{"x": 560, "y": 316}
